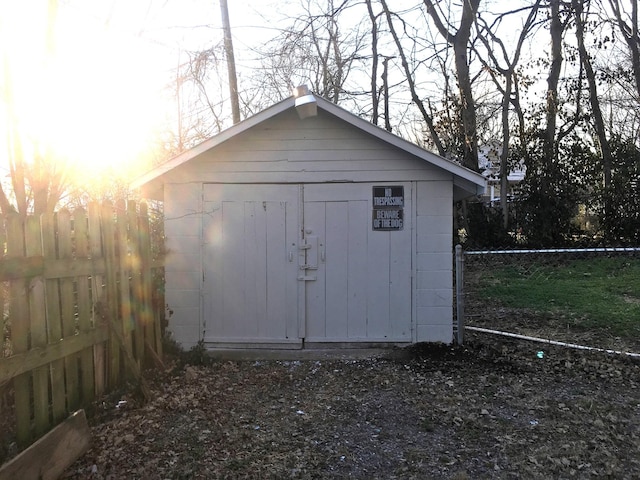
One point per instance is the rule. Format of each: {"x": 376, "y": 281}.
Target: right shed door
{"x": 358, "y": 283}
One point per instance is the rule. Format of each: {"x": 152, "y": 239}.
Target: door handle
{"x": 307, "y": 278}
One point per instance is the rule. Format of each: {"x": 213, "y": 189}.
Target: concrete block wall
{"x": 434, "y": 262}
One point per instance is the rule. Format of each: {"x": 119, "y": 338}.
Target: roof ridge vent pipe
{"x": 306, "y": 104}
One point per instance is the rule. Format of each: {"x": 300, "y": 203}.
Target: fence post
{"x": 460, "y": 294}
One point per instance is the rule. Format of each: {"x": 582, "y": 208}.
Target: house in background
{"x": 307, "y": 226}
{"x": 489, "y": 162}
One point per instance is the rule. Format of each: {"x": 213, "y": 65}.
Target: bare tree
{"x": 459, "y": 40}
{"x": 409, "y": 76}
{"x": 628, "y": 26}
{"x": 38, "y": 182}
{"x": 590, "y": 75}
{"x": 556, "y": 29}
{"x": 196, "y": 93}
{"x": 315, "y": 49}
{"x": 617, "y": 60}
{"x": 509, "y": 92}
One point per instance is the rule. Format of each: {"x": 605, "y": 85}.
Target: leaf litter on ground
{"x": 489, "y": 409}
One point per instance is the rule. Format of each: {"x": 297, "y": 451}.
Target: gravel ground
{"x": 495, "y": 408}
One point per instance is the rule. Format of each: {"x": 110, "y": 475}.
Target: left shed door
{"x": 250, "y": 265}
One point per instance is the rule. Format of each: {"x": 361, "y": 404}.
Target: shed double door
{"x": 293, "y": 264}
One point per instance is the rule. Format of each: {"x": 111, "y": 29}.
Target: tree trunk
{"x": 460, "y": 43}
{"x": 231, "y": 62}
{"x": 631, "y": 36}
{"x": 504, "y": 155}
{"x": 385, "y": 90}
{"x": 468, "y": 110}
{"x": 601, "y": 132}
{"x": 556, "y": 29}
{"x": 375, "y": 99}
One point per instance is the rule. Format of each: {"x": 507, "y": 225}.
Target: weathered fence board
{"x": 19, "y": 311}
{"x": 48, "y": 458}
{"x": 81, "y": 235}
{"x": 136, "y": 295}
{"x": 96, "y": 279}
{"x": 37, "y": 313}
{"x": 111, "y": 307}
{"x": 67, "y": 310}
{"x": 58, "y": 406}
{"x": 152, "y": 333}
{"x": 78, "y": 312}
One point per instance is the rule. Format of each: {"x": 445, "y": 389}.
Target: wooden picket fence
{"x": 76, "y": 301}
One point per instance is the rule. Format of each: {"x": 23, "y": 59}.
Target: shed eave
{"x": 463, "y": 188}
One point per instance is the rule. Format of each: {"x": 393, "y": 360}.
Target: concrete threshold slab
{"x": 304, "y": 354}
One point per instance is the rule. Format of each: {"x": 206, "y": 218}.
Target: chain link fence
{"x": 589, "y": 295}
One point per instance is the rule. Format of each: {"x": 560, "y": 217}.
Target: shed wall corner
{"x": 434, "y": 262}
{"x": 183, "y": 264}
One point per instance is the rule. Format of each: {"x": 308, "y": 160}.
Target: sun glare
{"x": 77, "y": 87}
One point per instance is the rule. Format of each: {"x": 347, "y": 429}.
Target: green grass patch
{"x": 594, "y": 293}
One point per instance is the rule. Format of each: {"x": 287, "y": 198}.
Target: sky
{"x": 95, "y": 88}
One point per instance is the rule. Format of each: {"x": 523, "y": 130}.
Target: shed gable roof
{"x": 468, "y": 182}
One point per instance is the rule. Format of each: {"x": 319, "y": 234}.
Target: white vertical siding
{"x": 183, "y": 271}
{"x": 433, "y": 260}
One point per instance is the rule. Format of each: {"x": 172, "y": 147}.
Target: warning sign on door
{"x": 388, "y": 208}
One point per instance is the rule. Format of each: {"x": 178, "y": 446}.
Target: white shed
{"x": 285, "y": 232}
